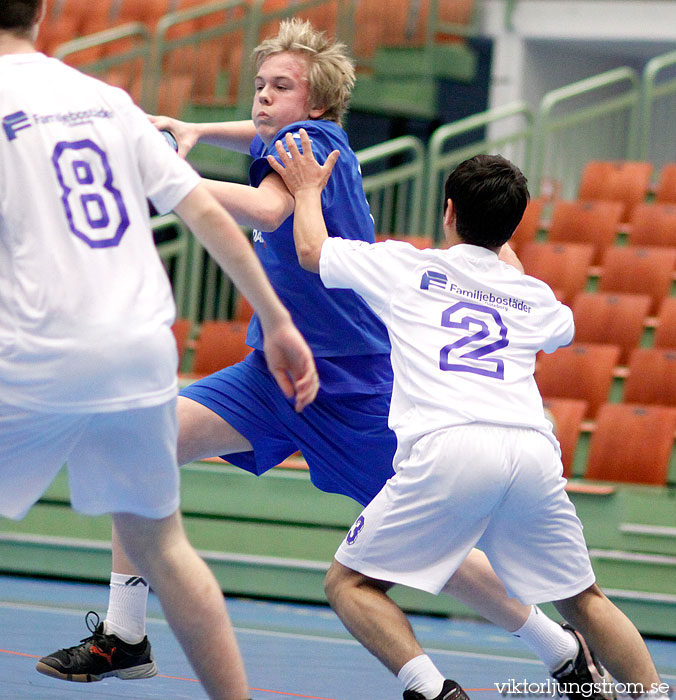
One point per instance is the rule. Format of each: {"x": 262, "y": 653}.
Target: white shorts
{"x": 117, "y": 462}
{"x": 496, "y": 488}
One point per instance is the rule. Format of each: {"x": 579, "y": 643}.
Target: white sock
{"x": 126, "y": 617}
{"x": 421, "y": 675}
{"x": 549, "y": 641}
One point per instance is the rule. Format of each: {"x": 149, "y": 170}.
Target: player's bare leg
{"x": 476, "y": 585}
{"x": 613, "y": 636}
{"x": 380, "y": 625}
{"x": 371, "y": 616}
{"x": 201, "y": 433}
{"x": 191, "y": 599}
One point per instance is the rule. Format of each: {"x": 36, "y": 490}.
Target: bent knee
{"x": 341, "y": 581}
{"x": 338, "y": 577}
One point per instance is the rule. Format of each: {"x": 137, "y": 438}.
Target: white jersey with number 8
{"x": 85, "y": 305}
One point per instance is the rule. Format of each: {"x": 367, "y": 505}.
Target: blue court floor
{"x": 291, "y": 651}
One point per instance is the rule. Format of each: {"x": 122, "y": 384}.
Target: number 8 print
{"x": 490, "y": 325}
{"x": 94, "y": 206}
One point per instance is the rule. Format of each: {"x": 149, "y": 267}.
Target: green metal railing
{"x": 592, "y": 119}
{"x": 201, "y": 71}
{"x": 334, "y": 16}
{"x": 506, "y": 130}
{"x": 658, "y": 104}
{"x": 175, "y": 250}
{"x": 203, "y": 291}
{"x": 127, "y": 67}
{"x": 210, "y": 45}
{"x": 617, "y": 115}
{"x": 394, "y": 190}
{"x": 436, "y": 26}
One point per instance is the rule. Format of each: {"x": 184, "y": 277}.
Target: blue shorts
{"x": 343, "y": 437}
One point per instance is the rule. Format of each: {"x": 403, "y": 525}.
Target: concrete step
{"x": 416, "y": 98}
{"x": 275, "y": 536}
{"x": 457, "y": 61}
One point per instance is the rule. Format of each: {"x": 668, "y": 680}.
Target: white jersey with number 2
{"x": 464, "y": 327}
{"x": 85, "y": 305}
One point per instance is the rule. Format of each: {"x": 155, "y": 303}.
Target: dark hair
{"x": 19, "y": 15}
{"x": 489, "y": 196}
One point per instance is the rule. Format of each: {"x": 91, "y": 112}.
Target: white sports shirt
{"x": 85, "y": 305}
{"x": 464, "y": 327}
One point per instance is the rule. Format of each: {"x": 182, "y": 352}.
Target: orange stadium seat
{"x": 457, "y": 11}
{"x": 586, "y": 222}
{"x": 579, "y": 371}
{"x": 632, "y": 443}
{"x": 613, "y": 318}
{"x": 218, "y": 345}
{"x": 243, "y": 309}
{"x": 149, "y": 12}
{"x": 324, "y": 18}
{"x": 638, "y": 270}
{"x": 563, "y": 266}
{"x": 181, "y": 330}
{"x": 96, "y": 16}
{"x": 651, "y": 377}
{"x": 666, "y": 185}
{"x": 567, "y": 415}
{"x": 380, "y": 23}
{"x": 529, "y": 225}
{"x": 56, "y": 31}
{"x": 627, "y": 182}
{"x": 653, "y": 224}
{"x": 665, "y": 334}
{"x": 174, "y": 93}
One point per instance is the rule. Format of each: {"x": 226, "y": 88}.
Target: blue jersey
{"x": 336, "y": 323}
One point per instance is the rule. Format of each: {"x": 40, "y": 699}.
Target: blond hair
{"x": 331, "y": 73}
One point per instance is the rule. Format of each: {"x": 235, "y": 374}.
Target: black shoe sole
{"x": 126, "y": 674}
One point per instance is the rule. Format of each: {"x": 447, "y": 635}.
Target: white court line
{"x": 285, "y": 635}
{"x": 304, "y": 637}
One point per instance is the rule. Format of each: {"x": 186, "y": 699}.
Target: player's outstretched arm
{"x": 305, "y": 178}
{"x": 287, "y": 354}
{"x": 234, "y": 136}
{"x": 264, "y": 207}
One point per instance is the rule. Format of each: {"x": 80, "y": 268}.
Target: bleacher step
{"x": 416, "y": 98}
{"x": 275, "y": 536}
{"x": 457, "y": 61}
{"x": 288, "y": 578}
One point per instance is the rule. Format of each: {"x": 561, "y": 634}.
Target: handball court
{"x": 290, "y": 651}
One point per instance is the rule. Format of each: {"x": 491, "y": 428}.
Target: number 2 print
{"x": 483, "y": 332}
{"x": 94, "y": 206}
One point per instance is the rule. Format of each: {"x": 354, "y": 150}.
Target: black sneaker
{"x": 99, "y": 656}
{"x": 584, "y": 678}
{"x": 450, "y": 691}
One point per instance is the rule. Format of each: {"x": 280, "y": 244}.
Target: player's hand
{"x": 300, "y": 170}
{"x": 290, "y": 360}
{"x": 186, "y": 136}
